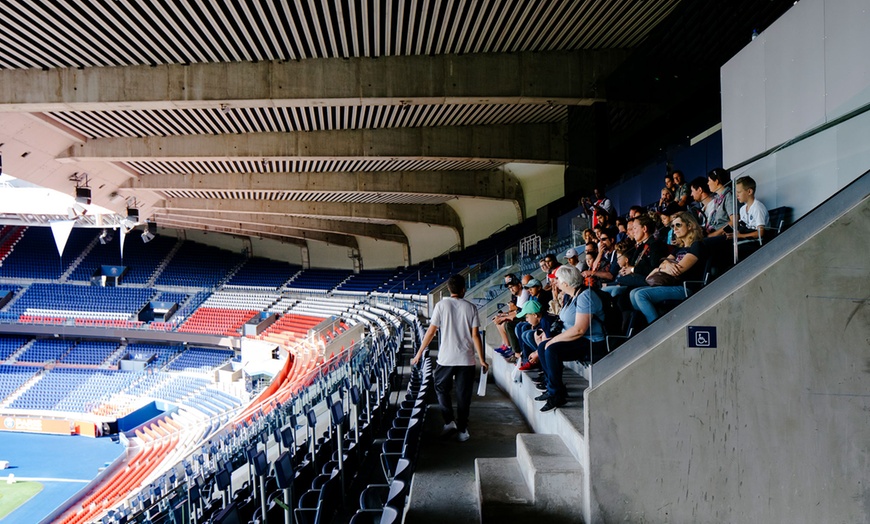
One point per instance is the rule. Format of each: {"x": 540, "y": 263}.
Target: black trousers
{"x": 444, "y": 379}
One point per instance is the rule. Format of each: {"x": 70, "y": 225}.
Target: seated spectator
{"x": 753, "y": 214}
{"x": 601, "y": 206}
{"x": 669, "y": 183}
{"x": 588, "y": 235}
{"x": 588, "y": 262}
{"x": 505, "y": 322}
{"x": 591, "y": 249}
{"x": 604, "y": 267}
{"x": 621, "y": 230}
{"x": 537, "y": 320}
{"x": 753, "y": 217}
{"x": 625, "y": 251}
{"x": 681, "y": 189}
{"x": 666, "y": 199}
{"x": 665, "y": 233}
{"x": 648, "y": 253}
{"x": 604, "y": 221}
{"x": 572, "y": 257}
{"x": 718, "y": 180}
{"x": 582, "y": 337}
{"x": 549, "y": 264}
{"x": 687, "y": 263}
{"x": 636, "y": 211}
{"x": 703, "y": 201}
{"x": 542, "y": 263}
{"x": 538, "y": 293}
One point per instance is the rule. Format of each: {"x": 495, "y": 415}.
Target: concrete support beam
{"x": 282, "y": 234}
{"x": 438, "y": 215}
{"x": 529, "y": 143}
{"x": 554, "y": 77}
{"x": 389, "y": 233}
{"x": 497, "y": 185}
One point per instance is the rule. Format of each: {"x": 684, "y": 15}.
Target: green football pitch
{"x": 14, "y": 495}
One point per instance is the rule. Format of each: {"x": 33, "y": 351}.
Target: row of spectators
{"x": 628, "y": 272}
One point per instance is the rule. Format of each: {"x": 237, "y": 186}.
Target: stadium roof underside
{"x": 329, "y": 121}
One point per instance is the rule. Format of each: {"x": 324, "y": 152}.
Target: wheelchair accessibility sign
{"x": 702, "y": 336}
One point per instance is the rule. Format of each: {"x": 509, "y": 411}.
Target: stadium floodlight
{"x": 77, "y": 210}
{"x": 105, "y": 237}
{"x": 147, "y": 236}
{"x": 83, "y": 195}
{"x": 128, "y": 224}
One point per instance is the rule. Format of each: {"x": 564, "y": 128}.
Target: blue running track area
{"x": 63, "y": 464}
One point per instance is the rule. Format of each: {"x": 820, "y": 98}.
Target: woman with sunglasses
{"x": 685, "y": 264}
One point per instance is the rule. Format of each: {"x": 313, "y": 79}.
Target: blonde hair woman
{"x": 687, "y": 263}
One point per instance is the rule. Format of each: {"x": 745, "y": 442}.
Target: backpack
{"x": 612, "y": 320}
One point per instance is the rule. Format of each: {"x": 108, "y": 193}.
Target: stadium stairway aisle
{"x": 443, "y": 488}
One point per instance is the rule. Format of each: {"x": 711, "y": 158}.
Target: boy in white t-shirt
{"x": 460, "y": 340}
{"x": 753, "y": 214}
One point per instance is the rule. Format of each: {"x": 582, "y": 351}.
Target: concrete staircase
{"x": 547, "y": 479}
{"x": 541, "y": 482}
{"x": 163, "y": 263}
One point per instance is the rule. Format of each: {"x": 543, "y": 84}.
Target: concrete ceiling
{"x": 307, "y": 120}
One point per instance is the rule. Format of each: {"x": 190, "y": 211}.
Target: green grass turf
{"x": 14, "y": 495}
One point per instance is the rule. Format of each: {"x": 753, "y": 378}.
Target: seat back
{"x": 390, "y": 515}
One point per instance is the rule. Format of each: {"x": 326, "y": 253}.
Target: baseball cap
{"x": 531, "y": 306}
{"x": 571, "y": 253}
{"x": 532, "y": 283}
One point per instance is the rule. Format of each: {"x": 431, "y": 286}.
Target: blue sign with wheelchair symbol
{"x": 701, "y": 336}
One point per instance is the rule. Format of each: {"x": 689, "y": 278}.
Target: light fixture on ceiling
{"x": 132, "y": 218}
{"x": 76, "y": 211}
{"x": 128, "y": 224}
{"x": 82, "y": 192}
{"x": 148, "y": 235}
{"x": 105, "y": 237}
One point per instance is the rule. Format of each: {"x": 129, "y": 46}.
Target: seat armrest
{"x": 692, "y": 286}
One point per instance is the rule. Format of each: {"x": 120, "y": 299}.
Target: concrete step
{"x": 543, "y": 481}
{"x": 552, "y": 473}
{"x": 567, "y": 424}
{"x": 502, "y": 492}
{"x": 567, "y": 421}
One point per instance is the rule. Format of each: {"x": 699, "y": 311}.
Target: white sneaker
{"x": 448, "y": 428}
{"x": 462, "y": 437}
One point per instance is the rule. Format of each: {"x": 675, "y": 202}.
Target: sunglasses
{"x": 676, "y": 225}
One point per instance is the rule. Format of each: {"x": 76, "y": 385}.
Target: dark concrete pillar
{"x": 586, "y": 146}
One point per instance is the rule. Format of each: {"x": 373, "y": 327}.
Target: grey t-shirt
{"x": 455, "y": 317}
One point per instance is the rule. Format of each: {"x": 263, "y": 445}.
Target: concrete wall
{"x": 806, "y": 69}
{"x": 267, "y": 248}
{"x": 428, "y": 241}
{"x": 542, "y": 183}
{"x": 771, "y": 425}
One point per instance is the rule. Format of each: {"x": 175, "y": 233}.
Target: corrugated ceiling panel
{"x": 354, "y": 197}
{"x": 141, "y": 123}
{"x": 48, "y": 34}
{"x": 302, "y": 166}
